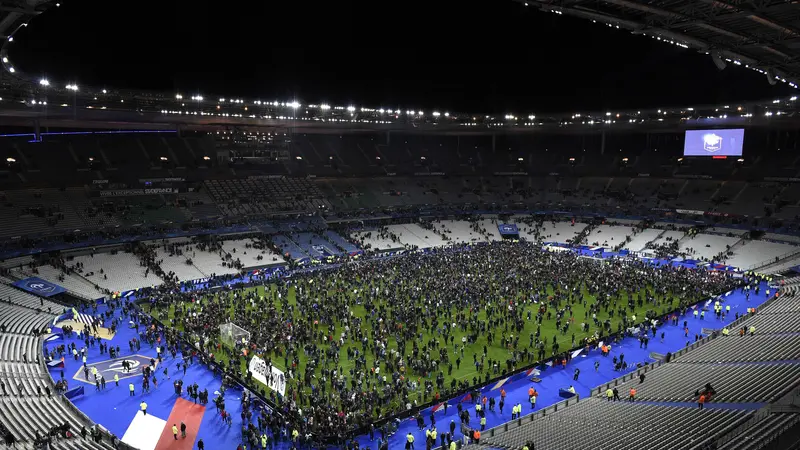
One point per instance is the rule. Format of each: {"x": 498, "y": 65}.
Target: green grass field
{"x": 495, "y": 351}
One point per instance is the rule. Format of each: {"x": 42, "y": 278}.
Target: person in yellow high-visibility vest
{"x": 409, "y": 441}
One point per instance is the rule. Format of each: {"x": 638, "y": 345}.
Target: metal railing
{"x": 738, "y": 430}
{"x": 774, "y": 260}
{"x": 508, "y": 426}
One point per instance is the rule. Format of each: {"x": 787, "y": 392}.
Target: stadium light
{"x": 11, "y": 160}
{"x": 5, "y": 60}
{"x": 11, "y": 69}
{"x": 178, "y": 96}
{"x": 294, "y": 105}
{"x": 351, "y": 108}
{"x": 72, "y": 87}
{"x": 44, "y": 82}
{"x": 206, "y": 158}
{"x": 325, "y": 107}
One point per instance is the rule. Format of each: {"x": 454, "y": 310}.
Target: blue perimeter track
{"x": 114, "y": 409}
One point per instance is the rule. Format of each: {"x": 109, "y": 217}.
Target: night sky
{"x": 493, "y": 56}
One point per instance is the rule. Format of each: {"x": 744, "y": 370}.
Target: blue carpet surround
{"x": 116, "y": 409}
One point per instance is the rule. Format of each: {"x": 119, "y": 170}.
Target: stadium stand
{"x": 113, "y": 271}
{"x": 584, "y": 426}
{"x": 640, "y": 239}
{"x": 759, "y": 369}
{"x": 562, "y": 232}
{"x": 745, "y": 383}
{"x": 16, "y": 297}
{"x": 20, "y": 320}
{"x": 73, "y": 283}
{"x": 377, "y": 239}
{"x": 176, "y": 256}
{"x": 290, "y": 248}
{"x": 30, "y": 407}
{"x": 609, "y": 236}
{"x": 460, "y": 231}
{"x": 752, "y": 252}
{"x": 340, "y": 242}
{"x": 706, "y": 247}
{"x": 250, "y": 252}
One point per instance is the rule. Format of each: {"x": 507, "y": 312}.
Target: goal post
{"x": 232, "y": 335}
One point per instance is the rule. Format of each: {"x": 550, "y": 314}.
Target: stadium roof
{"x": 17, "y": 13}
{"x": 764, "y": 40}
{"x": 763, "y": 35}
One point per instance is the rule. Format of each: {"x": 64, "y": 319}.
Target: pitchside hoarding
{"x": 40, "y": 287}
{"x": 271, "y": 376}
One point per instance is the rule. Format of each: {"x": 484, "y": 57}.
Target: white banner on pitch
{"x": 274, "y": 380}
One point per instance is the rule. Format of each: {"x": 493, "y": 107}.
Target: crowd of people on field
{"x": 381, "y": 336}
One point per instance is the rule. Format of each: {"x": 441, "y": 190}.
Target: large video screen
{"x": 714, "y": 142}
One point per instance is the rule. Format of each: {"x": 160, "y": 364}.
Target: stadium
{"x": 337, "y": 276}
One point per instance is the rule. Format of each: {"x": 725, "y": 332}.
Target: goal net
{"x": 232, "y": 335}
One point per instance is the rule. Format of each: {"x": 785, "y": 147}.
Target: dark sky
{"x": 491, "y": 56}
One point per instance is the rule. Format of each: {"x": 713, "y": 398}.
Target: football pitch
{"x": 463, "y": 349}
